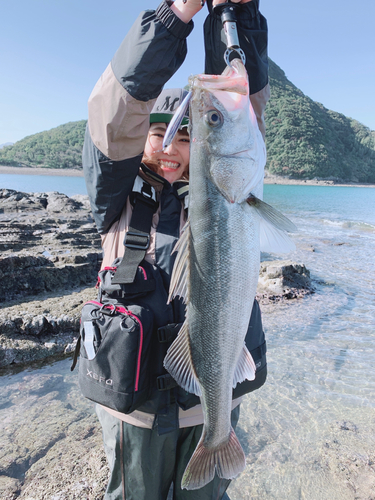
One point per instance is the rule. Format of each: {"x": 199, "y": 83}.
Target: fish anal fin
{"x": 179, "y": 364}
{"x": 245, "y": 369}
{"x": 228, "y": 460}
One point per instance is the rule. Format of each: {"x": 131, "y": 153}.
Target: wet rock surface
{"x": 50, "y": 255}
{"x": 348, "y": 454}
{"x": 51, "y": 445}
{"x": 283, "y": 280}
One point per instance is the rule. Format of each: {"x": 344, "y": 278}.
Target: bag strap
{"x": 137, "y": 238}
{"x": 168, "y": 332}
{"x": 76, "y": 353}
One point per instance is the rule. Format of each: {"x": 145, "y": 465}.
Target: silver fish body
{"x": 217, "y": 267}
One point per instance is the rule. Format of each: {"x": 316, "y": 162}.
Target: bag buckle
{"x": 169, "y": 332}
{"x": 165, "y": 382}
{"x": 108, "y": 309}
{"x": 139, "y": 241}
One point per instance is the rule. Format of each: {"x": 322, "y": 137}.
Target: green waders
{"x": 143, "y": 465}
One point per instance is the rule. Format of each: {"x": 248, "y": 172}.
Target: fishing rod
{"x": 228, "y": 13}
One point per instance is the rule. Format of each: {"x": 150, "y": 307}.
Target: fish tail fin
{"x": 228, "y": 460}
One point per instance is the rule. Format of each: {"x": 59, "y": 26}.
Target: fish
{"x": 217, "y": 263}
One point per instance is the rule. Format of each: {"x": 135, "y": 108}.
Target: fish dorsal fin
{"x": 179, "y": 279}
{"x": 245, "y": 369}
{"x": 273, "y": 227}
{"x": 179, "y": 364}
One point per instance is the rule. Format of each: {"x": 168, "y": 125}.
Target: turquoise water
{"x": 335, "y": 203}
{"x": 321, "y": 352}
{"x": 43, "y": 183}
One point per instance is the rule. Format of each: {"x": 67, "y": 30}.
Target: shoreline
{"x": 62, "y": 172}
{"x": 268, "y": 179}
{"x": 276, "y": 179}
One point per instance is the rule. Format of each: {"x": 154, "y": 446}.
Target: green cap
{"x": 166, "y": 105}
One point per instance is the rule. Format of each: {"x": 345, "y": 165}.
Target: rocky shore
{"x": 51, "y": 445}
{"x": 50, "y": 256}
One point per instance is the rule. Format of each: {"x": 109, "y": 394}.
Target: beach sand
{"x": 268, "y": 179}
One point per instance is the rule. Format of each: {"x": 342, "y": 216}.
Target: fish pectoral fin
{"x": 179, "y": 279}
{"x": 179, "y": 364}
{"x": 274, "y": 240}
{"x": 273, "y": 227}
{"x": 245, "y": 369}
{"x": 271, "y": 214}
{"x": 228, "y": 460}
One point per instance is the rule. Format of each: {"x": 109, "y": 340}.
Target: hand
{"x": 186, "y": 10}
{"x": 218, "y": 2}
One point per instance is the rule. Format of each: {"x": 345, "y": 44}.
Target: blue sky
{"x": 53, "y": 51}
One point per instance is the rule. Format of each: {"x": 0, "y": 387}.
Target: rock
{"x": 46, "y": 326}
{"x": 283, "y": 279}
{"x": 50, "y": 255}
{"x": 48, "y": 243}
{"x": 60, "y": 203}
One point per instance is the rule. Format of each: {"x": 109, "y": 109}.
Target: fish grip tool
{"x": 228, "y": 13}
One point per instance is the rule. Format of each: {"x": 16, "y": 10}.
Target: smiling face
{"x": 174, "y": 160}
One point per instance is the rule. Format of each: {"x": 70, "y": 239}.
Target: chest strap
{"x": 137, "y": 238}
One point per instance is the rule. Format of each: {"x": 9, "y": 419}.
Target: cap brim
{"x": 166, "y": 118}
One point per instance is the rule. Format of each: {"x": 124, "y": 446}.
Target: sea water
{"x": 321, "y": 352}
{"x": 43, "y": 183}
{"x": 316, "y": 410}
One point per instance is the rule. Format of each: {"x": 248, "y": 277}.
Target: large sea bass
{"x": 217, "y": 264}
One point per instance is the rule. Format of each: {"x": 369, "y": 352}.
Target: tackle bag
{"x": 124, "y": 337}
{"x": 114, "y": 348}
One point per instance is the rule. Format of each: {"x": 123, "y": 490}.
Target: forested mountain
{"x": 304, "y": 140}
{"x": 60, "y": 147}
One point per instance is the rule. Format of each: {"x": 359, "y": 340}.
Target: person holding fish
{"x": 125, "y": 157}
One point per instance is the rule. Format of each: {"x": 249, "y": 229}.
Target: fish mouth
{"x": 233, "y": 79}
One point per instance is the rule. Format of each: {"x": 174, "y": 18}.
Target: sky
{"x": 53, "y": 51}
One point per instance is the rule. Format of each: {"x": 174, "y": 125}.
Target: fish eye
{"x": 214, "y": 118}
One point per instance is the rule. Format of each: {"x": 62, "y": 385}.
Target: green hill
{"x": 60, "y": 147}
{"x": 304, "y": 140}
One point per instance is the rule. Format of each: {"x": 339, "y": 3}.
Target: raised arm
{"x": 120, "y": 104}
{"x": 253, "y": 38}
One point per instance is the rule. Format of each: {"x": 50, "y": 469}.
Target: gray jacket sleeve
{"x": 120, "y": 104}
